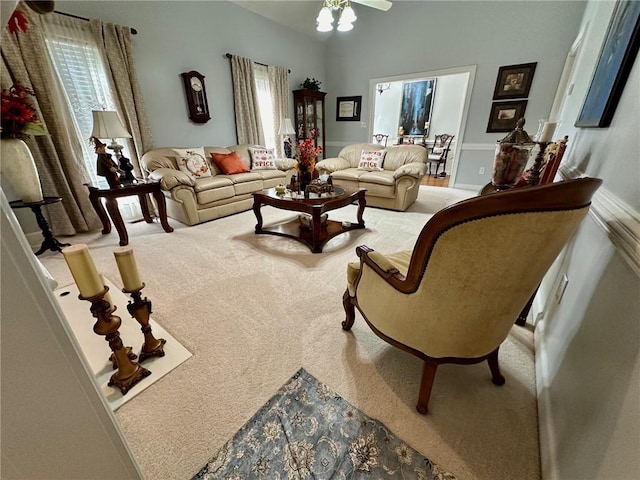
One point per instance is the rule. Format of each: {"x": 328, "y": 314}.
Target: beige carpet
{"x": 254, "y": 309}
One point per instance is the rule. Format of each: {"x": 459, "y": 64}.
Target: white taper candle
{"x": 128, "y": 268}
{"x": 83, "y": 270}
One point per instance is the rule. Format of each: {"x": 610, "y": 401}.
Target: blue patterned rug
{"x": 308, "y": 431}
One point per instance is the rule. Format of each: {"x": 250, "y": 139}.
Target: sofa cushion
{"x": 192, "y": 162}
{"x": 270, "y": 174}
{"x": 262, "y": 159}
{"x": 371, "y": 160}
{"x": 352, "y": 153}
{"x": 384, "y": 177}
{"x": 352, "y": 174}
{"x": 209, "y": 183}
{"x": 229, "y": 163}
{"x": 399, "y": 155}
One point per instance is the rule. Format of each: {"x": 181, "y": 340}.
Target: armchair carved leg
{"x": 428, "y": 375}
{"x": 349, "y": 310}
{"x": 496, "y": 376}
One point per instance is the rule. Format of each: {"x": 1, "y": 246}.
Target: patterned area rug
{"x": 308, "y": 431}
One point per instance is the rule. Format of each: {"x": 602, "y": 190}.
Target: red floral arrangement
{"x": 307, "y": 152}
{"x": 17, "y": 116}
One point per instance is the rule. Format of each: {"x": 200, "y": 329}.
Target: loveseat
{"x": 395, "y": 186}
{"x": 195, "y": 200}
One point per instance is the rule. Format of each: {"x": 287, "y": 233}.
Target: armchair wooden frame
{"x": 562, "y": 196}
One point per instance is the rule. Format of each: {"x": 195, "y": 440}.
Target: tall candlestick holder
{"x": 129, "y": 372}
{"x": 533, "y": 174}
{"x": 140, "y": 309}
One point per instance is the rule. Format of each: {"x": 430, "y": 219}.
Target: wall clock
{"x": 196, "y": 96}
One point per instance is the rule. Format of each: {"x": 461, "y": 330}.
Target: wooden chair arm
{"x": 379, "y": 264}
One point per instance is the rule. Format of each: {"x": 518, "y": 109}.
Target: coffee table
{"x": 319, "y": 233}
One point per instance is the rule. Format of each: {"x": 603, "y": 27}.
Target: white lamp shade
{"x": 348, "y": 15}
{"x": 107, "y": 124}
{"x": 344, "y": 26}
{"x": 324, "y": 16}
{"x": 286, "y": 127}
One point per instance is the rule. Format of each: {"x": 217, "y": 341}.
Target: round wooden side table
{"x": 50, "y": 242}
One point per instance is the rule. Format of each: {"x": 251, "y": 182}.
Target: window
{"x": 78, "y": 64}
{"x": 265, "y": 102}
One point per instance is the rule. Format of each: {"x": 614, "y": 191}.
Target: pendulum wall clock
{"x": 196, "y": 96}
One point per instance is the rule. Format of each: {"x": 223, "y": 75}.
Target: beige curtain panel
{"x": 57, "y": 155}
{"x": 245, "y": 97}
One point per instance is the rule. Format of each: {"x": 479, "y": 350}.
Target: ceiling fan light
{"x": 345, "y": 26}
{"x": 324, "y": 27}
{"x": 325, "y": 16}
{"x": 348, "y": 15}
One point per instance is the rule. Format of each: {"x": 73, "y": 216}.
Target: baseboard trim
{"x": 35, "y": 240}
{"x": 467, "y": 186}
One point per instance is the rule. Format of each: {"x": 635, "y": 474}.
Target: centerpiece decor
{"x": 19, "y": 120}
{"x": 306, "y": 155}
{"x": 511, "y": 156}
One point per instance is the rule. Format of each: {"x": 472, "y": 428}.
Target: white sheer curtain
{"x": 80, "y": 69}
{"x": 279, "y": 85}
{"x": 265, "y": 102}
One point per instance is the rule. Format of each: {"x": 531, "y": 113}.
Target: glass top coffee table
{"x": 318, "y": 231}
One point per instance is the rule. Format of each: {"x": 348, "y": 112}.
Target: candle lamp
{"x": 140, "y": 309}
{"x": 511, "y": 156}
{"x": 91, "y": 287}
{"x": 129, "y": 372}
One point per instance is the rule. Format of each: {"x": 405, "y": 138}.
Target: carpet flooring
{"x": 254, "y": 309}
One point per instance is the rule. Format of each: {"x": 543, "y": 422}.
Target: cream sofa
{"x": 192, "y": 201}
{"x": 395, "y": 188}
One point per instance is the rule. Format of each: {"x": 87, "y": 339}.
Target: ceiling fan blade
{"x": 377, "y": 4}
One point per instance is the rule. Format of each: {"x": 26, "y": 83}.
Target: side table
{"x": 112, "y": 194}
{"x": 50, "y": 242}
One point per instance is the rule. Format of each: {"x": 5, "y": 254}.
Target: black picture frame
{"x": 504, "y": 115}
{"x": 617, "y": 55}
{"x": 348, "y": 109}
{"x": 514, "y": 81}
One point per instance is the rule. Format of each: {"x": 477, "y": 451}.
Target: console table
{"x": 50, "y": 242}
{"x": 112, "y": 194}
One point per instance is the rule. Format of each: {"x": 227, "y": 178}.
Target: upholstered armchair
{"x": 455, "y": 296}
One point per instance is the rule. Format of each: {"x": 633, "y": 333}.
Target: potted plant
{"x": 311, "y": 84}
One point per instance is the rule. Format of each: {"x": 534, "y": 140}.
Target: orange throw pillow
{"x": 229, "y": 163}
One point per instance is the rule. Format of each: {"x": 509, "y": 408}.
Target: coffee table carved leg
{"x": 144, "y": 206}
{"x": 114, "y": 213}
{"x": 316, "y": 228}
{"x": 362, "y": 203}
{"x": 99, "y": 208}
{"x": 258, "y": 214}
{"x": 162, "y": 211}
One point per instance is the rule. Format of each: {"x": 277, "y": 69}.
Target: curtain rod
{"x": 133, "y": 30}
{"x": 228, "y": 55}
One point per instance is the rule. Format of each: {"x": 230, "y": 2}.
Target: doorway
{"x": 449, "y": 107}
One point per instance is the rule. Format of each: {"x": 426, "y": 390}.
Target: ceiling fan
{"x": 324, "y": 22}
{"x": 377, "y": 4}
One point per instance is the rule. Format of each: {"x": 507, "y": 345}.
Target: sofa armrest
{"x": 414, "y": 169}
{"x": 169, "y": 178}
{"x": 330, "y": 165}
{"x": 285, "y": 164}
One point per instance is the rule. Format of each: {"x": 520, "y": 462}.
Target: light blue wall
{"x": 426, "y": 36}
{"x": 178, "y": 36}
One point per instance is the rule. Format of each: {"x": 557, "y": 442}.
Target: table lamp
{"x": 107, "y": 124}
{"x": 286, "y": 129}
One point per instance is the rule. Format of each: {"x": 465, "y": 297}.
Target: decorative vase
{"x": 511, "y": 156}
{"x": 19, "y": 168}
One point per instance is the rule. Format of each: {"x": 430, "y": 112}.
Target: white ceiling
{"x": 299, "y": 15}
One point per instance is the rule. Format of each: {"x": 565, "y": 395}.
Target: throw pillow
{"x": 229, "y": 163}
{"x": 262, "y": 159}
{"x": 371, "y": 160}
{"x": 192, "y": 162}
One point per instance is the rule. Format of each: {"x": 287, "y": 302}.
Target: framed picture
{"x": 417, "y": 102}
{"x": 618, "y": 52}
{"x": 348, "y": 109}
{"x": 504, "y": 115}
{"x": 514, "y": 81}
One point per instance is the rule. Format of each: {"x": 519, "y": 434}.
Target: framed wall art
{"x": 348, "y": 109}
{"x": 417, "y": 102}
{"x": 514, "y": 81}
{"x": 504, "y": 115}
{"x": 617, "y": 55}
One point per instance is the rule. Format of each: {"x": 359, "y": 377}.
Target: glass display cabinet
{"x": 309, "y": 114}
